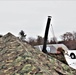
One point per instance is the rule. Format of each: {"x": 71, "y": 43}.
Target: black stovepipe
{"x": 46, "y": 34}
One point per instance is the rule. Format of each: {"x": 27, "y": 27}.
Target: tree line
{"x": 68, "y": 38}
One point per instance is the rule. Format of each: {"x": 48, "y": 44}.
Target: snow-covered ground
{"x": 71, "y": 62}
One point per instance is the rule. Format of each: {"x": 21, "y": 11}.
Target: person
{"x": 60, "y": 51}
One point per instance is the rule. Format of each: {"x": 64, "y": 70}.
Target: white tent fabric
{"x": 52, "y": 48}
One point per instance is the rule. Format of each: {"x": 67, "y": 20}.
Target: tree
{"x": 74, "y": 34}
{"x": 53, "y": 40}
{"x": 22, "y": 35}
{"x": 67, "y": 36}
{"x": 32, "y": 41}
{"x": 39, "y": 40}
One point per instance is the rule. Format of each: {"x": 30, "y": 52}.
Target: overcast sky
{"x": 31, "y": 16}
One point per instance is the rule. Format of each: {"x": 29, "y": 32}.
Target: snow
{"x": 71, "y": 62}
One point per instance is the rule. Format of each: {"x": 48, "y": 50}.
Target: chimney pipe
{"x": 46, "y": 34}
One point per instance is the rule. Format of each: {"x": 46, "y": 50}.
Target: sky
{"x": 31, "y": 17}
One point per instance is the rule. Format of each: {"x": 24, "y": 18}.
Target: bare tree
{"x": 74, "y": 34}
{"x": 32, "y": 41}
{"x": 53, "y": 40}
{"x": 67, "y": 36}
{"x": 39, "y": 40}
{"x": 63, "y": 37}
